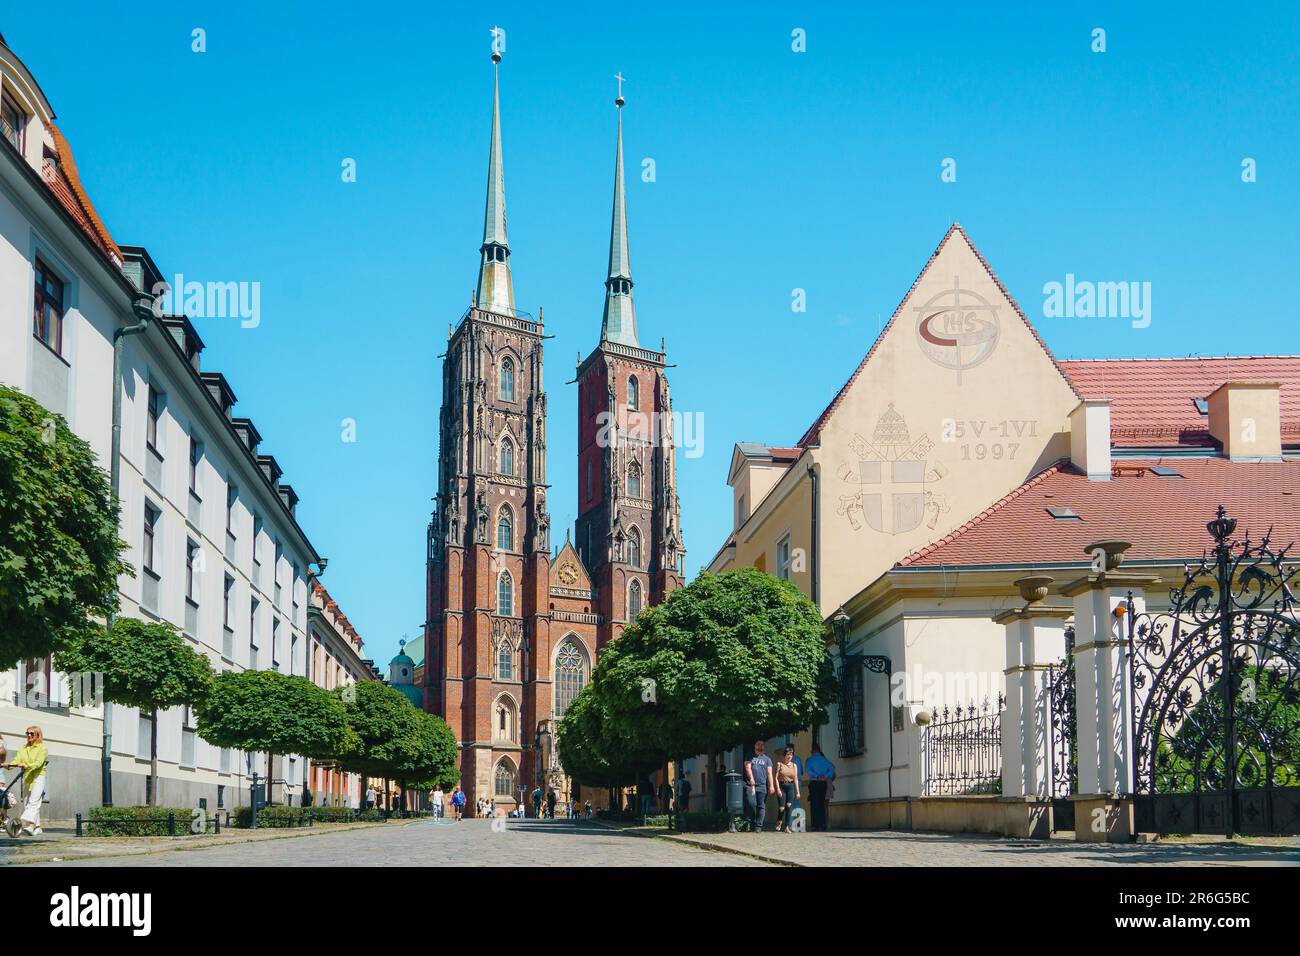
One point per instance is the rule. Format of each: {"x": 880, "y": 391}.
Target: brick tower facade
{"x": 513, "y": 631}
{"x": 629, "y": 519}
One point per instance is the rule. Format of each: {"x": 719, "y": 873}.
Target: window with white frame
{"x": 47, "y": 314}
{"x": 505, "y": 530}
{"x": 153, "y": 410}
{"x": 783, "y": 558}
{"x": 151, "y": 516}
{"x": 13, "y": 121}
{"x": 505, "y": 595}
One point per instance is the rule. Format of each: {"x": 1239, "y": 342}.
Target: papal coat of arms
{"x": 892, "y": 472}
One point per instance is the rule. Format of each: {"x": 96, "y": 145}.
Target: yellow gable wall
{"x": 932, "y": 433}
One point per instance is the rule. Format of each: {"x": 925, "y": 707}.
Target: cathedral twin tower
{"x": 512, "y": 630}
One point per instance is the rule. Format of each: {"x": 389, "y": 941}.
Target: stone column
{"x": 1104, "y": 705}
{"x": 1035, "y": 639}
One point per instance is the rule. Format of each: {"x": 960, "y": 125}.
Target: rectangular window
{"x": 143, "y": 736}
{"x": 252, "y": 634}
{"x": 187, "y": 737}
{"x": 232, "y": 495}
{"x": 151, "y": 515}
{"x": 227, "y": 600}
{"x": 13, "y": 120}
{"x": 47, "y": 314}
{"x": 196, "y": 454}
{"x": 742, "y": 513}
{"x": 191, "y": 560}
{"x": 783, "y": 558}
{"x": 151, "y": 423}
{"x": 275, "y": 643}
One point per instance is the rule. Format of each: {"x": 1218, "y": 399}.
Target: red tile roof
{"x": 813, "y": 434}
{"x": 65, "y": 183}
{"x": 1151, "y": 400}
{"x": 1163, "y": 517}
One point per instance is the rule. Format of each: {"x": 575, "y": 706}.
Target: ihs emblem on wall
{"x": 892, "y": 472}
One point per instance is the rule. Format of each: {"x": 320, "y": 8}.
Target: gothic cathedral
{"x": 514, "y": 628}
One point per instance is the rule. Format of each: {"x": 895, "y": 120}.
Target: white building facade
{"x": 210, "y": 527}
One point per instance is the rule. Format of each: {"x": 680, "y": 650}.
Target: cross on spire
{"x": 619, "y": 76}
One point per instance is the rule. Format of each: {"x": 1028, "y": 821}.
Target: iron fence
{"x": 963, "y": 750}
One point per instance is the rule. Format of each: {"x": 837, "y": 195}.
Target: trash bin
{"x": 735, "y": 791}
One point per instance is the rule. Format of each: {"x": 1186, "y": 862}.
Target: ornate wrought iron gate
{"x": 1216, "y": 695}
{"x": 1063, "y": 765}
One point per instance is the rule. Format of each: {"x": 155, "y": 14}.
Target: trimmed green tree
{"x": 730, "y": 657}
{"x": 143, "y": 664}
{"x": 276, "y": 713}
{"x": 392, "y": 739}
{"x": 587, "y": 756}
{"x": 432, "y": 759}
{"x": 60, "y": 554}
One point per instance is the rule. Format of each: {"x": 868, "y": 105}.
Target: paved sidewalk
{"x": 59, "y": 842}
{"x": 901, "y": 848}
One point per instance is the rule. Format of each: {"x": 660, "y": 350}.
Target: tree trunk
{"x": 153, "y": 757}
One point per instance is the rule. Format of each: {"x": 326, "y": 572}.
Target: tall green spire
{"x": 619, "y": 323}
{"x": 495, "y": 287}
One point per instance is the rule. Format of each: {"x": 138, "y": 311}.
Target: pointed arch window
{"x": 633, "y": 393}
{"x": 634, "y": 548}
{"x": 507, "y": 457}
{"x": 634, "y": 479}
{"x": 505, "y": 530}
{"x": 505, "y": 661}
{"x": 570, "y": 674}
{"x": 508, "y": 380}
{"x": 504, "y": 727}
{"x": 505, "y": 595}
{"x": 633, "y": 601}
{"x": 504, "y": 779}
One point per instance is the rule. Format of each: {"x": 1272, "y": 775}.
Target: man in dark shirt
{"x": 759, "y": 783}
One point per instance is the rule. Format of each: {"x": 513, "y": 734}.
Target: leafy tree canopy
{"x": 273, "y": 712}
{"x": 144, "y": 664}
{"x": 391, "y": 738}
{"x": 60, "y": 554}
{"x": 728, "y": 658}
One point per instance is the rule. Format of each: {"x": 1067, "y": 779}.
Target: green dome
{"x": 411, "y": 693}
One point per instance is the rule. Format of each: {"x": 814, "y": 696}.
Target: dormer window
{"x": 13, "y": 121}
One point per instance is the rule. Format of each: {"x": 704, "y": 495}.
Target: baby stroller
{"x": 9, "y": 806}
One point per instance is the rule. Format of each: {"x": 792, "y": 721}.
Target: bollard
{"x": 171, "y": 824}
{"x": 79, "y": 824}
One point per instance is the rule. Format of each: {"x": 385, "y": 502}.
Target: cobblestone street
{"x": 560, "y": 843}
{"x": 424, "y": 843}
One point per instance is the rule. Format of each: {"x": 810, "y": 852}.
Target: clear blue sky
{"x": 775, "y": 170}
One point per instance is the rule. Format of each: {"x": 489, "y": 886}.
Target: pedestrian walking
{"x": 759, "y": 784}
{"x": 436, "y": 798}
{"x": 683, "y": 793}
{"x": 31, "y": 759}
{"x": 550, "y": 803}
{"x": 787, "y": 785}
{"x": 458, "y": 802}
{"x": 820, "y": 774}
{"x": 537, "y": 802}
